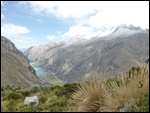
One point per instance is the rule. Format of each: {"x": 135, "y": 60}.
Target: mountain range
{"x": 117, "y": 51}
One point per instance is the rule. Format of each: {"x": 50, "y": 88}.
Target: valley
{"x": 47, "y": 76}
{"x": 118, "y": 51}
{"x": 74, "y": 56}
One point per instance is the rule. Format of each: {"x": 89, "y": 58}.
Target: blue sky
{"x": 31, "y": 23}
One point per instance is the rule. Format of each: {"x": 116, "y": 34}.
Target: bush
{"x": 25, "y": 93}
{"x": 145, "y": 103}
{"x": 58, "y": 104}
{"x": 130, "y": 106}
{"x": 66, "y": 90}
{"x": 116, "y": 94}
{"x": 42, "y": 99}
{"x": 14, "y": 95}
{"x": 32, "y": 89}
{"x": 11, "y": 106}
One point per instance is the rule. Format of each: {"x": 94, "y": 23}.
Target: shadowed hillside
{"x": 15, "y": 68}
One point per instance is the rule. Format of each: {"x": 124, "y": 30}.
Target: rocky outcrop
{"x": 11, "y": 47}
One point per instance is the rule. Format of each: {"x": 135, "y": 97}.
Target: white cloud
{"x": 16, "y": 34}
{"x": 77, "y": 30}
{"x": 109, "y": 13}
{"x": 11, "y": 30}
{"x": 2, "y": 16}
{"x": 66, "y": 9}
{"x": 51, "y": 37}
{"x": 136, "y": 13}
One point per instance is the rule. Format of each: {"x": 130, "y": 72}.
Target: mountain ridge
{"x": 15, "y": 67}
{"x": 112, "y": 53}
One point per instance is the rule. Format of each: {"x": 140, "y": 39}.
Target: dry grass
{"x": 93, "y": 96}
{"x": 96, "y": 95}
{"x": 136, "y": 87}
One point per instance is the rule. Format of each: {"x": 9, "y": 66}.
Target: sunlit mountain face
{"x": 117, "y": 51}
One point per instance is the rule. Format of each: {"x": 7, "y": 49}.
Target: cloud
{"x": 16, "y": 34}
{"x": 51, "y": 37}
{"x": 11, "y": 30}
{"x": 2, "y": 16}
{"x": 77, "y": 30}
{"x": 66, "y": 9}
{"x": 136, "y": 13}
{"x": 100, "y": 13}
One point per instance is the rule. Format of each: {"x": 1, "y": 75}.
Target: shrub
{"x": 130, "y": 106}
{"x": 14, "y": 95}
{"x": 11, "y": 106}
{"x": 32, "y": 89}
{"x": 115, "y": 94}
{"x": 66, "y": 90}
{"x": 93, "y": 96}
{"x": 25, "y": 93}
{"x": 58, "y": 104}
{"x": 42, "y": 99}
{"x": 145, "y": 103}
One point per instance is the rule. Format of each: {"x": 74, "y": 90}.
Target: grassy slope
{"x": 14, "y": 70}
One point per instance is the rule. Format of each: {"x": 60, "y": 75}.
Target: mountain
{"x": 15, "y": 67}
{"x": 117, "y": 51}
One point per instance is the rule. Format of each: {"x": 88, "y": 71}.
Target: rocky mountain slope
{"x": 124, "y": 47}
{"x": 15, "y": 67}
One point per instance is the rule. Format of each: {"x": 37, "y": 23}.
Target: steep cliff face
{"x": 125, "y": 47}
{"x": 15, "y": 68}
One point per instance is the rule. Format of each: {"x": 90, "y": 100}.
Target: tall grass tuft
{"x": 93, "y": 96}
{"x": 135, "y": 88}
{"x": 97, "y": 95}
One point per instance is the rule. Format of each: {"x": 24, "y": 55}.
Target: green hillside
{"x": 96, "y": 94}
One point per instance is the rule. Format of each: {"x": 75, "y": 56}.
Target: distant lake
{"x": 40, "y": 72}
{"x": 46, "y": 75}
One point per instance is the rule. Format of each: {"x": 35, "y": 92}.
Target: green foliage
{"x": 26, "y": 109}
{"x": 42, "y": 99}
{"x": 14, "y": 95}
{"x": 59, "y": 104}
{"x": 25, "y": 93}
{"x": 67, "y": 89}
{"x": 2, "y": 88}
{"x": 145, "y": 103}
{"x": 130, "y": 106}
{"x": 11, "y": 105}
{"x": 32, "y": 89}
